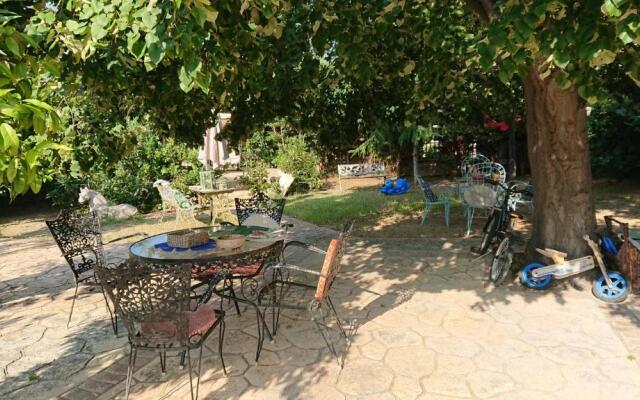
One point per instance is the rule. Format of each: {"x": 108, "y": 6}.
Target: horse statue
{"x": 99, "y": 204}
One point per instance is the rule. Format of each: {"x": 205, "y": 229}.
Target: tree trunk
{"x": 560, "y": 165}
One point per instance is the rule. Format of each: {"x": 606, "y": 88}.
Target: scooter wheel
{"x": 617, "y": 293}
{"x": 532, "y": 282}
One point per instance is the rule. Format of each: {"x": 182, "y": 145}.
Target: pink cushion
{"x": 245, "y": 270}
{"x": 200, "y": 321}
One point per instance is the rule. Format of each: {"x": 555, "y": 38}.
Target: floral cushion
{"x": 244, "y": 270}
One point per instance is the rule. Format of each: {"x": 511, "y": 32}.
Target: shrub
{"x": 294, "y": 157}
{"x": 256, "y": 174}
{"x": 129, "y": 179}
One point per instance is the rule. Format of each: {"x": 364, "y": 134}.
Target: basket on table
{"x": 187, "y": 238}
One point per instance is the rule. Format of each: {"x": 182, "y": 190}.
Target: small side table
{"x": 215, "y": 198}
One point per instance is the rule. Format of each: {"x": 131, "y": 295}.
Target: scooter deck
{"x": 567, "y": 268}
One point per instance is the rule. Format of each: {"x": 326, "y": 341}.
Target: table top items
{"x": 158, "y": 249}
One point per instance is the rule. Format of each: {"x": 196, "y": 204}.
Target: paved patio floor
{"x": 423, "y": 321}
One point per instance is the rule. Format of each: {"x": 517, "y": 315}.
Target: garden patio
{"x": 422, "y": 319}
{"x": 275, "y": 199}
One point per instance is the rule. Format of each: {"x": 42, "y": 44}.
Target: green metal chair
{"x": 432, "y": 199}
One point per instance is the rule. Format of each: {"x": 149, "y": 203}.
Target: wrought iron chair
{"x": 259, "y": 204}
{"x": 481, "y": 191}
{"x": 244, "y": 271}
{"x": 79, "y": 238}
{"x": 432, "y": 199}
{"x": 154, "y": 302}
{"x": 174, "y": 200}
{"x": 277, "y": 294}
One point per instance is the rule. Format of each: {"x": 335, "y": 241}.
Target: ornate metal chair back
{"x": 332, "y": 262}
{"x": 153, "y": 300}
{"x": 469, "y": 161}
{"x": 79, "y": 238}
{"x": 426, "y": 190}
{"x": 259, "y": 203}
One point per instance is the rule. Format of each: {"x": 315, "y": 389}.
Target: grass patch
{"x": 364, "y": 205}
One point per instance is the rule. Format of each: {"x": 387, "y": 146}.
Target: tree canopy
{"x": 399, "y": 62}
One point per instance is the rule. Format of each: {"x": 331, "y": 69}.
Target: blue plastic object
{"x": 608, "y": 246}
{"x": 530, "y": 281}
{"x": 604, "y": 293}
{"x": 400, "y": 186}
{"x": 164, "y": 246}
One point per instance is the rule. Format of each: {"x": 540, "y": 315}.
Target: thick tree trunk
{"x": 560, "y": 166}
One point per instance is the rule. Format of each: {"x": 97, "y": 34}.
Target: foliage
{"x": 26, "y": 120}
{"x": 296, "y": 158}
{"x": 256, "y": 174}
{"x": 570, "y": 41}
{"x": 614, "y": 138}
{"x": 130, "y": 178}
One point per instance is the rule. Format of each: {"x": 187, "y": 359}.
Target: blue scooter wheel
{"x": 532, "y": 282}
{"x": 617, "y": 293}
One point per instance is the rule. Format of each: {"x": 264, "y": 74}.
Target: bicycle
{"x": 498, "y": 226}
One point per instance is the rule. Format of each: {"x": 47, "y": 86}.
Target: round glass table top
{"x": 153, "y": 248}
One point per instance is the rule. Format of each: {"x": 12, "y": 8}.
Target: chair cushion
{"x": 244, "y": 270}
{"x": 200, "y": 321}
{"x": 262, "y": 220}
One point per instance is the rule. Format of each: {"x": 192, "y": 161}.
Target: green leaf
{"x": 10, "y": 138}
{"x": 40, "y": 104}
{"x": 36, "y": 184}
{"x": 31, "y": 157}
{"x": 98, "y": 27}
{"x": 561, "y": 59}
{"x": 12, "y": 45}
{"x": 12, "y": 170}
{"x": 610, "y": 9}
{"x": 149, "y": 20}
{"x": 156, "y": 53}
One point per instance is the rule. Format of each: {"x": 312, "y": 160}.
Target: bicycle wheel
{"x": 501, "y": 264}
{"x": 490, "y": 230}
{"x": 616, "y": 294}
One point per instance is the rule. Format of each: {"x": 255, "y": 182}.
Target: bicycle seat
{"x": 514, "y": 214}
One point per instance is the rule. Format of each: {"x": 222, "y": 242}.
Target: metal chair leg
{"x": 190, "y": 372}
{"x": 447, "y": 209}
{"x": 470, "y": 212}
{"x": 233, "y": 294}
{"x": 425, "y": 213}
{"x": 260, "y": 335}
{"x": 163, "y": 361}
{"x": 73, "y": 303}
{"x": 330, "y": 346}
{"x": 112, "y": 315}
{"x": 335, "y": 314}
{"x": 132, "y": 362}
{"x": 183, "y": 354}
{"x": 220, "y": 342}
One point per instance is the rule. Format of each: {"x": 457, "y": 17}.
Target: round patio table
{"x": 241, "y": 263}
{"x": 147, "y": 250}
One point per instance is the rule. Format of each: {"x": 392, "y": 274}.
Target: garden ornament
{"x": 99, "y": 204}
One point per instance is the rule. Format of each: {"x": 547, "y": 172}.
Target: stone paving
{"x": 424, "y": 325}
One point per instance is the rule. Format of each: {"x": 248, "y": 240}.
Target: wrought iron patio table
{"x": 244, "y": 265}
